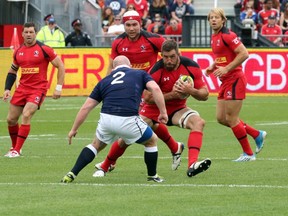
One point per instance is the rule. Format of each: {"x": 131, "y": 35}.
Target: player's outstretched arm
{"x": 210, "y": 69}
{"x": 57, "y": 62}
{"x": 200, "y": 94}
{"x": 81, "y": 116}
{"x": 159, "y": 100}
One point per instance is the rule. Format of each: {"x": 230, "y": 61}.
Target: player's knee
{"x": 201, "y": 122}
{"x": 196, "y": 124}
{"x": 152, "y": 141}
{"x": 224, "y": 123}
{"x": 11, "y": 121}
{"x": 221, "y": 121}
{"x": 122, "y": 144}
{"x": 27, "y": 115}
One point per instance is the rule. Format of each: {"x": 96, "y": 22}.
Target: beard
{"x": 171, "y": 66}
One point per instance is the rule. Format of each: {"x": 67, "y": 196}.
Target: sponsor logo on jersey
{"x": 166, "y": 79}
{"x": 221, "y": 60}
{"x": 29, "y": 70}
{"x": 141, "y": 65}
{"x": 125, "y": 49}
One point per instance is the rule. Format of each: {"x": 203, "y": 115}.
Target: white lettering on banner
{"x": 266, "y": 71}
{"x": 275, "y": 71}
{"x": 270, "y": 72}
{"x": 209, "y": 58}
{"x": 259, "y": 74}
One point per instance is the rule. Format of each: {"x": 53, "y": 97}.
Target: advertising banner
{"x": 266, "y": 69}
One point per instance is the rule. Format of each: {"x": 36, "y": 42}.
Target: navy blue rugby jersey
{"x": 121, "y": 91}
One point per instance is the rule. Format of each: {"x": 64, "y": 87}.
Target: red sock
{"x": 114, "y": 153}
{"x": 241, "y": 134}
{"x": 163, "y": 133}
{"x": 22, "y": 135}
{"x": 251, "y": 131}
{"x": 13, "y": 132}
{"x": 194, "y": 146}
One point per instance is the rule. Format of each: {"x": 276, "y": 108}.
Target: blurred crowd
{"x": 266, "y": 17}
{"x": 158, "y": 16}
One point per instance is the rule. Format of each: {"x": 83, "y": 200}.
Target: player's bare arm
{"x": 57, "y": 62}
{"x": 81, "y": 117}
{"x": 153, "y": 87}
{"x": 200, "y": 94}
{"x": 210, "y": 69}
{"x": 149, "y": 99}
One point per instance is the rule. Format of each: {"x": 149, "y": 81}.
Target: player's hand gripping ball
{"x": 187, "y": 79}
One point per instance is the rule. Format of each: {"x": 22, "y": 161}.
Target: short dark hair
{"x": 28, "y": 25}
{"x": 169, "y": 45}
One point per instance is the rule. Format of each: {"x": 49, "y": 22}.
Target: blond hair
{"x": 218, "y": 11}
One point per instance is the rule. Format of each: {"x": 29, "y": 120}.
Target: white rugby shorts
{"x": 111, "y": 128}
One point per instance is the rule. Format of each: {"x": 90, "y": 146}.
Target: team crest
{"x": 143, "y": 48}
{"x": 37, "y": 99}
{"x": 229, "y": 94}
{"x": 36, "y": 53}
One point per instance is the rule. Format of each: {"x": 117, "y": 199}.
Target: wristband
{"x": 58, "y": 88}
{"x": 10, "y": 79}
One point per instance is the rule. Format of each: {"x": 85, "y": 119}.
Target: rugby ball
{"x": 186, "y": 79}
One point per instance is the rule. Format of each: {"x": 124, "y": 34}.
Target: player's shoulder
{"x": 227, "y": 33}
{"x": 188, "y": 62}
{"x": 21, "y": 47}
{"x": 119, "y": 39}
{"x": 157, "y": 67}
{"x": 43, "y": 46}
{"x": 133, "y": 71}
{"x": 121, "y": 36}
{"x": 225, "y": 30}
{"x": 47, "y": 50}
{"x": 150, "y": 35}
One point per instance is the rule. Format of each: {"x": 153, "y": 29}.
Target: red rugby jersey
{"x": 33, "y": 62}
{"x": 223, "y": 45}
{"x": 142, "y": 53}
{"x": 166, "y": 80}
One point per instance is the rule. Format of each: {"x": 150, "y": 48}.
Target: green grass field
{"x": 30, "y": 185}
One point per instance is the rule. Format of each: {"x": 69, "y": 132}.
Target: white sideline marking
{"x": 274, "y": 123}
{"x": 161, "y": 158}
{"x": 153, "y": 185}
